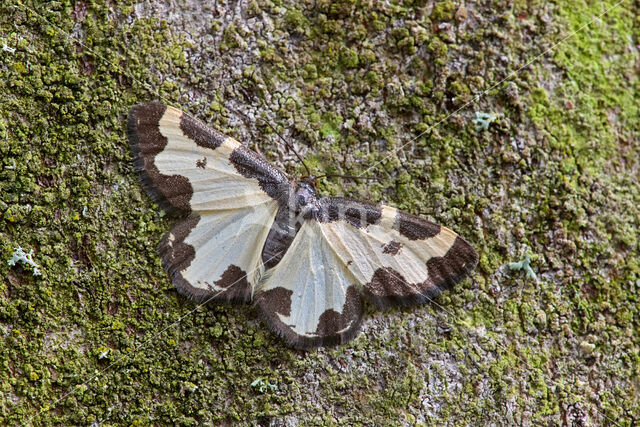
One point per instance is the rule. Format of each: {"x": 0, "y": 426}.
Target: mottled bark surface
{"x": 102, "y": 336}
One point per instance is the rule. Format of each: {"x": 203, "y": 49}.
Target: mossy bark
{"x": 384, "y": 89}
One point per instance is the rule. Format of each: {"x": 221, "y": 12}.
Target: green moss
{"x": 375, "y": 80}
{"x": 443, "y": 11}
{"x": 349, "y": 58}
{"x": 295, "y": 19}
{"x": 439, "y": 50}
{"x": 407, "y": 45}
{"x": 331, "y": 126}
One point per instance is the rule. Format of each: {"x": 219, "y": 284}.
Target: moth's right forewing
{"x": 396, "y": 258}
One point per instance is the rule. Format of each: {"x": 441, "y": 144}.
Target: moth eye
{"x": 301, "y": 200}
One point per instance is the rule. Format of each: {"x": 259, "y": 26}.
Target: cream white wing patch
{"x": 230, "y": 193}
{"x": 215, "y": 182}
{"x": 309, "y": 298}
{"x": 214, "y": 254}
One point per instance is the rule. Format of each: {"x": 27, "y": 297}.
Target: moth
{"x": 248, "y": 234}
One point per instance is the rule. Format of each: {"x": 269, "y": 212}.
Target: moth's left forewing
{"x": 228, "y": 193}
{"x": 397, "y": 258}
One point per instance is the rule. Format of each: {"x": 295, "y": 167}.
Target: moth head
{"x": 305, "y": 196}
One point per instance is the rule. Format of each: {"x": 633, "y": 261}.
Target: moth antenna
{"x": 289, "y": 146}
{"x": 355, "y": 178}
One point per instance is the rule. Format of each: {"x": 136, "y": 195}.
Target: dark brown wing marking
{"x": 389, "y": 287}
{"x": 201, "y": 134}
{"x": 272, "y": 181}
{"x": 333, "y": 328}
{"x": 413, "y": 227}
{"x": 332, "y": 323}
{"x": 448, "y": 270}
{"x": 172, "y": 193}
{"x": 392, "y": 248}
{"x": 358, "y": 213}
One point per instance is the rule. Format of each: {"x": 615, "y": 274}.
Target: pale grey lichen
{"x": 19, "y": 255}
{"x": 104, "y": 353}
{"x": 8, "y": 49}
{"x": 525, "y": 265}
{"x": 262, "y": 386}
{"x": 483, "y": 120}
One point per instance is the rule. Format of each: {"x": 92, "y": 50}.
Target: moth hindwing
{"x": 246, "y": 233}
